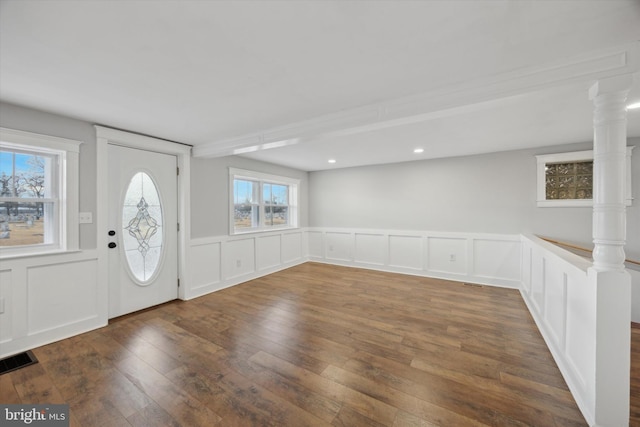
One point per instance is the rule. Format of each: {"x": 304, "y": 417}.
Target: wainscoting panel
{"x": 6, "y": 317}
{"x": 316, "y": 244}
{"x": 292, "y": 250}
{"x": 50, "y": 307}
{"x": 447, "y": 255}
{"x": 208, "y": 259}
{"x": 406, "y": 251}
{"x": 269, "y": 250}
{"x": 537, "y": 278}
{"x": 430, "y": 254}
{"x": 555, "y": 298}
{"x": 527, "y": 254}
{"x": 239, "y": 257}
{"x": 338, "y": 246}
{"x": 219, "y": 262}
{"x": 48, "y": 298}
{"x": 561, "y": 298}
{"x": 370, "y": 249}
{"x": 579, "y": 344}
{"x": 495, "y": 259}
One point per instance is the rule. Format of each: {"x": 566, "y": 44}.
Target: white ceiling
{"x": 299, "y": 82}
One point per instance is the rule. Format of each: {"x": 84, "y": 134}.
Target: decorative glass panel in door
{"x": 142, "y": 227}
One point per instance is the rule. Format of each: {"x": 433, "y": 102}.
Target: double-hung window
{"x": 38, "y": 193}
{"x": 262, "y": 202}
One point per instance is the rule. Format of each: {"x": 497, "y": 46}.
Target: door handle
{"x": 112, "y": 245}
{"x": 111, "y": 233}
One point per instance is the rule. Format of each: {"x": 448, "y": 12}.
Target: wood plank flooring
{"x": 314, "y": 345}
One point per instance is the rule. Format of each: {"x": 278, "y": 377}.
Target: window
{"x": 261, "y": 202}
{"x": 566, "y": 179}
{"x": 38, "y": 193}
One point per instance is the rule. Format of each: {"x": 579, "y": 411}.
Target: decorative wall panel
{"x": 239, "y": 257}
{"x": 269, "y": 249}
{"x": 70, "y": 298}
{"x": 405, "y": 251}
{"x": 370, "y": 248}
{"x": 6, "y": 321}
{"x": 338, "y": 246}
{"x": 447, "y": 255}
{"x": 291, "y": 247}
{"x": 206, "y": 261}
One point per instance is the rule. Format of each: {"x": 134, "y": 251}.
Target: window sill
{"x": 33, "y": 254}
{"x": 263, "y": 230}
{"x": 585, "y": 203}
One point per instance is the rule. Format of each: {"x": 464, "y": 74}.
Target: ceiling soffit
{"x": 464, "y": 97}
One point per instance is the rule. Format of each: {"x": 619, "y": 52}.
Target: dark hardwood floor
{"x": 313, "y": 345}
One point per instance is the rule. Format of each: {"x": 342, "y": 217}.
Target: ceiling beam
{"x": 448, "y": 101}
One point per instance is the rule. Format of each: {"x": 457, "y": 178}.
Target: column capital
{"x": 611, "y": 85}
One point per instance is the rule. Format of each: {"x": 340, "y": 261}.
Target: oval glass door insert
{"x": 142, "y": 227}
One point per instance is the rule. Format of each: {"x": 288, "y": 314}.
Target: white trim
{"x": 106, "y": 136}
{"x": 261, "y": 177}
{"x": 66, "y": 182}
{"x": 443, "y": 102}
{"x": 575, "y": 156}
{"x": 412, "y": 252}
{"x": 53, "y": 143}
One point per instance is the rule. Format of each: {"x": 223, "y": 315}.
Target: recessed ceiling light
{"x": 633, "y": 106}
{"x": 331, "y": 161}
{"x": 418, "y": 150}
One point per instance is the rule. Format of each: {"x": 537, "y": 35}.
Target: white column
{"x": 609, "y": 171}
{"x": 609, "y": 380}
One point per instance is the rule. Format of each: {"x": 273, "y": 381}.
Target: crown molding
{"x": 447, "y": 101}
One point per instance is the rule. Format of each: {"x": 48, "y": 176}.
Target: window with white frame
{"x": 261, "y": 202}
{"x": 38, "y": 193}
{"x": 566, "y": 179}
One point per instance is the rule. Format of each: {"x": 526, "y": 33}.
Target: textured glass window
{"x": 142, "y": 227}
{"x": 569, "y": 181}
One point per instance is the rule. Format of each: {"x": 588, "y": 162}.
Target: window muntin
{"x": 262, "y": 202}
{"x": 38, "y": 193}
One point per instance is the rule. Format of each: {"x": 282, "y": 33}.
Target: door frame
{"x": 107, "y": 136}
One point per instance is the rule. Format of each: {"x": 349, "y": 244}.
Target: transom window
{"x": 262, "y": 202}
{"x": 35, "y": 196}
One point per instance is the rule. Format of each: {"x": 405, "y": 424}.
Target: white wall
{"x": 47, "y": 298}
{"x": 492, "y": 193}
{"x": 26, "y": 119}
{"x": 210, "y": 192}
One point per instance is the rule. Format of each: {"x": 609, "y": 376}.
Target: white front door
{"x": 142, "y": 229}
